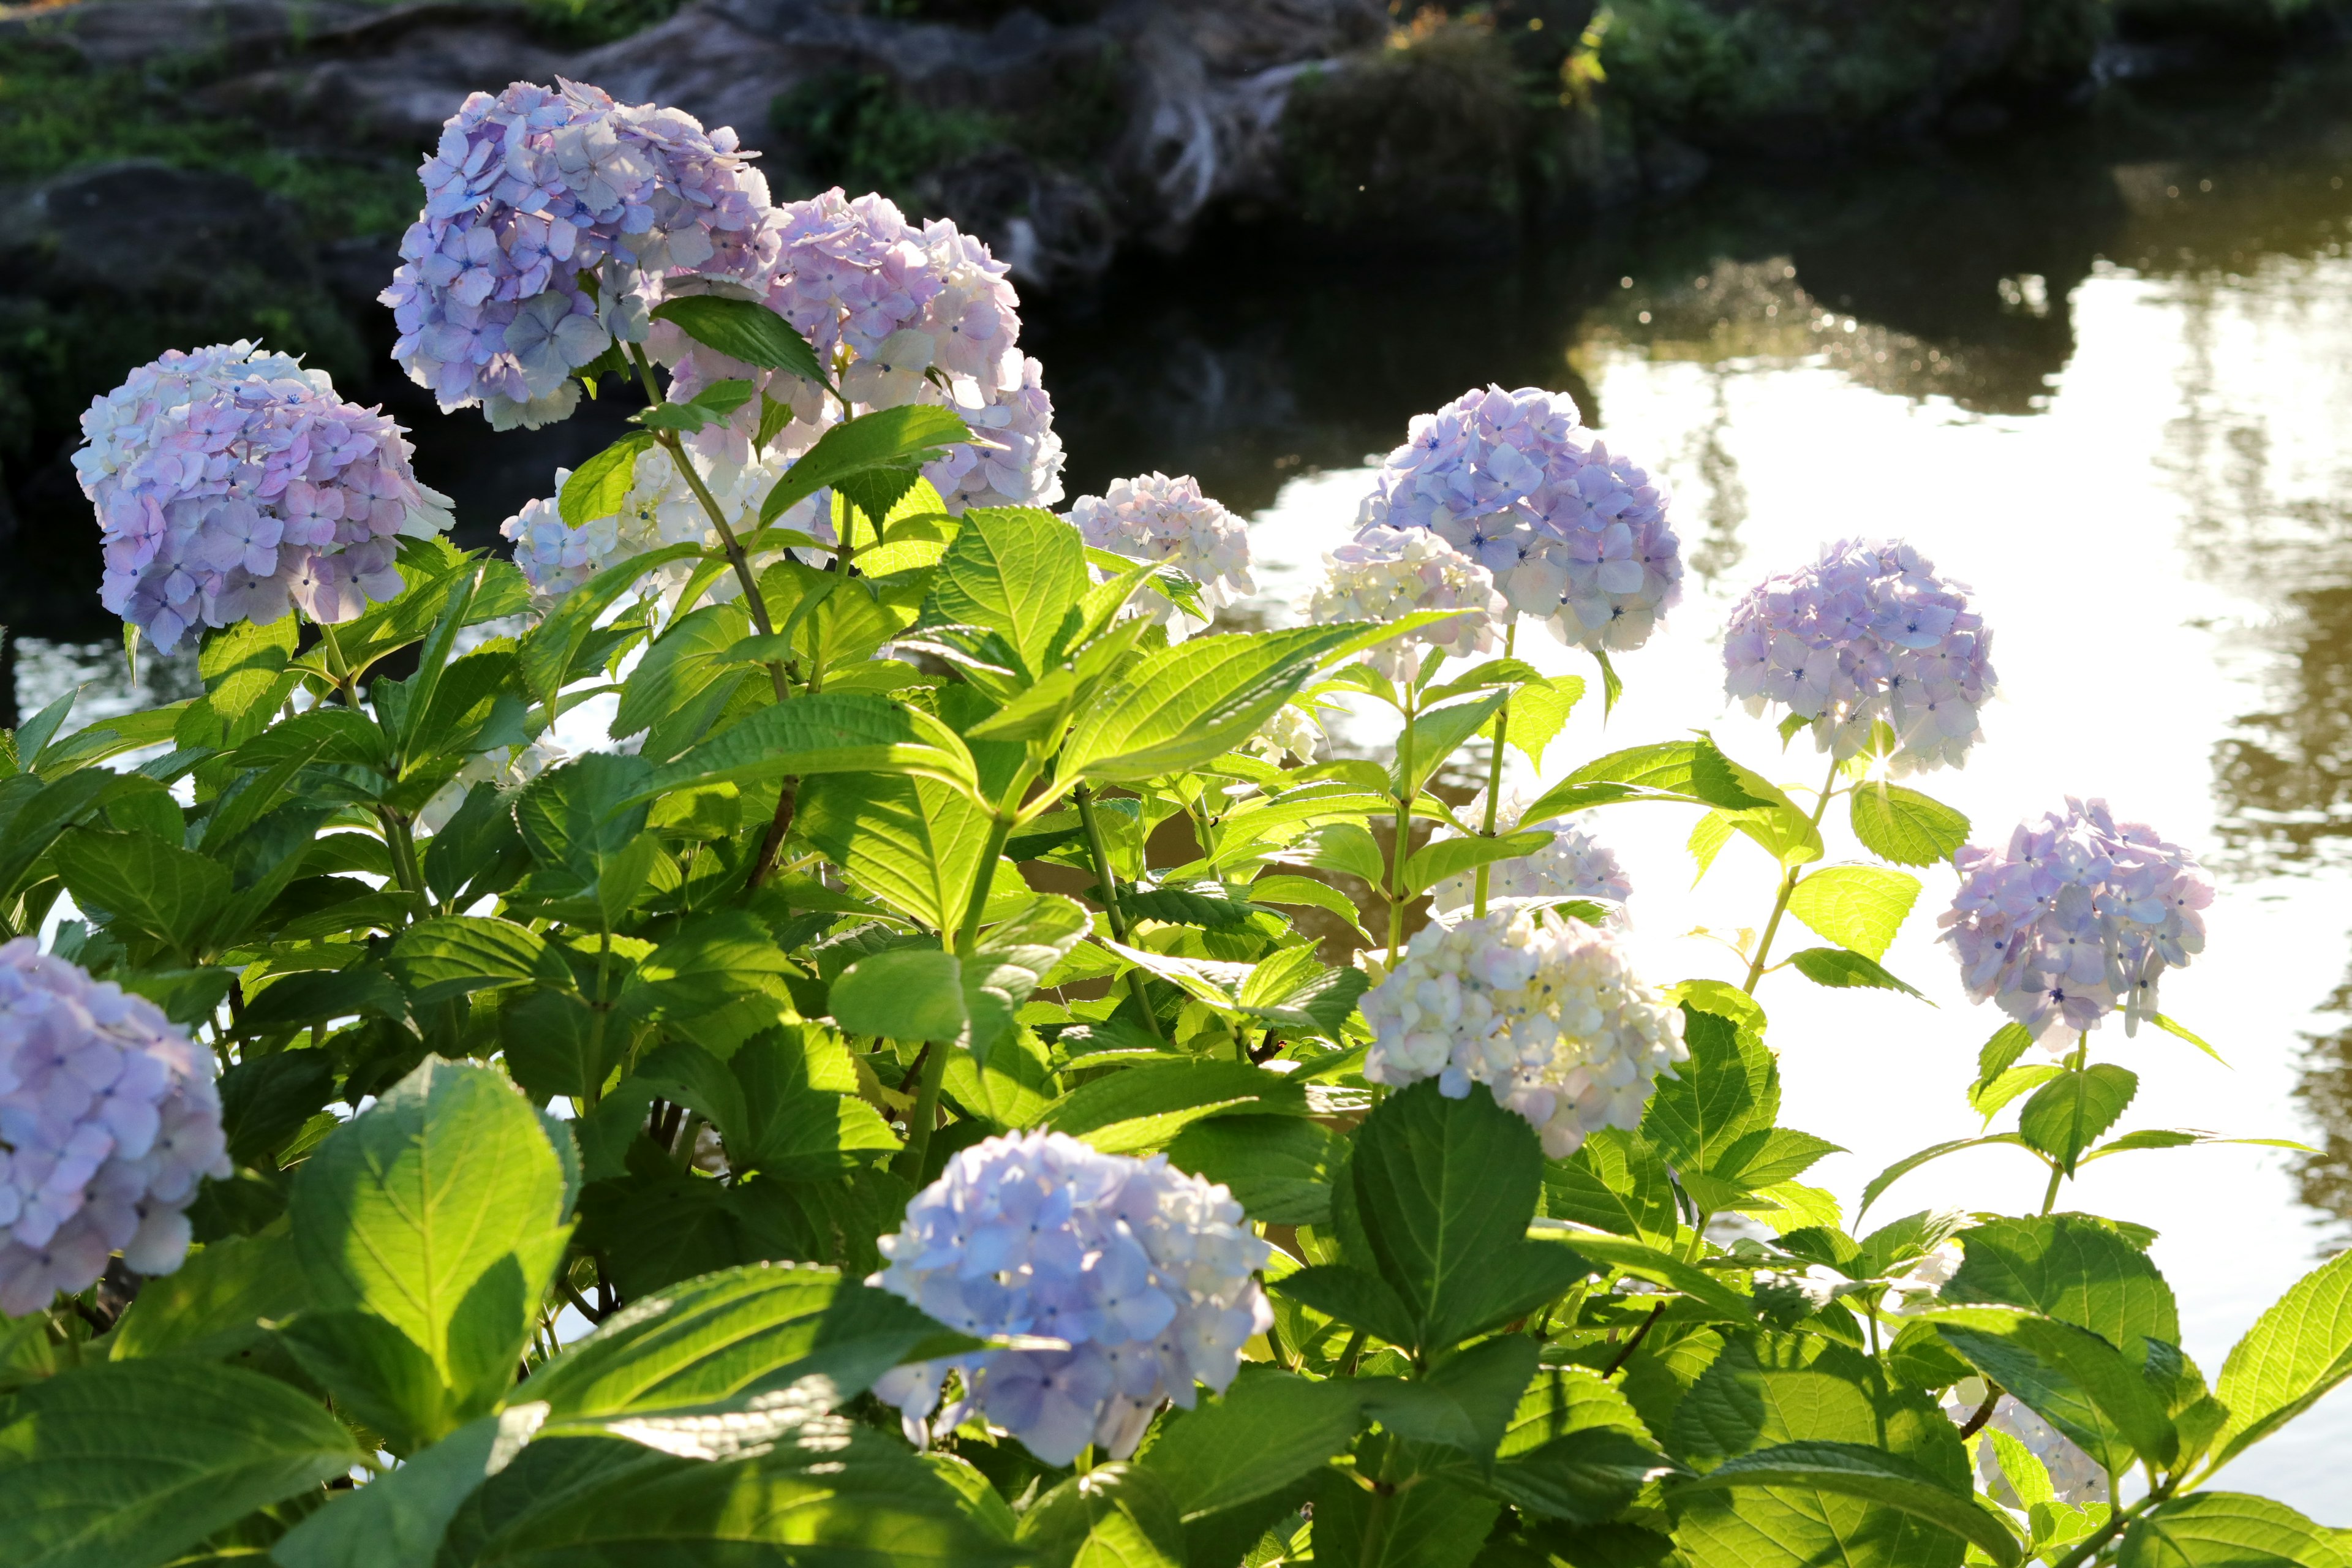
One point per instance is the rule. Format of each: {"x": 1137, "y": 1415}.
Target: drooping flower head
{"x": 1145, "y": 1271}
{"x": 1546, "y": 1012}
{"x": 900, "y": 315}
{"x": 1868, "y": 634}
{"x": 109, "y": 1119}
{"x": 1170, "y": 523}
{"x": 551, "y": 218}
{"x": 2079, "y": 916}
{"x": 230, "y": 481}
{"x": 1387, "y": 574}
{"x": 1574, "y": 535}
{"x": 1574, "y": 865}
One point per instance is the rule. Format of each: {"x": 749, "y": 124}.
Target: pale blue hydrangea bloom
{"x": 1574, "y": 535}
{"x": 1146, "y": 1273}
{"x": 552, "y": 220}
{"x": 108, "y": 1120}
{"x": 1867, "y": 634}
{"x": 902, "y": 314}
{"x": 229, "y": 482}
{"x": 2080, "y": 915}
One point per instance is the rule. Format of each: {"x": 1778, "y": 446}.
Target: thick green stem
{"x": 2057, "y": 1170}
{"x": 1788, "y": 888}
{"x": 2094, "y": 1543}
{"x": 998, "y": 831}
{"x": 1406, "y": 791}
{"x": 930, "y": 1068}
{"x": 1495, "y": 778}
{"x": 398, "y": 844}
{"x": 1108, "y": 881}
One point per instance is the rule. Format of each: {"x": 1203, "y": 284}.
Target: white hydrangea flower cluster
{"x": 1146, "y": 1273}
{"x": 231, "y": 481}
{"x": 1575, "y": 536}
{"x": 2075, "y": 1476}
{"x": 1919, "y": 1283}
{"x": 2081, "y": 915}
{"x": 509, "y": 767}
{"x": 660, "y": 509}
{"x": 551, "y": 218}
{"x": 1867, "y": 634}
{"x": 1291, "y": 734}
{"x": 1574, "y": 865}
{"x": 1386, "y": 573}
{"x": 108, "y": 1120}
{"x": 1546, "y": 1012}
{"x": 1170, "y": 523}
{"x": 903, "y": 315}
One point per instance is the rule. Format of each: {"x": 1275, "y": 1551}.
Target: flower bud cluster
{"x": 2079, "y": 916}
{"x": 1546, "y": 1012}
{"x": 1574, "y": 865}
{"x": 551, "y": 220}
{"x": 1387, "y": 574}
{"x": 1144, "y": 1272}
{"x": 1171, "y": 524}
{"x": 109, "y": 1119}
{"x": 230, "y": 481}
{"x": 659, "y": 509}
{"x": 903, "y": 315}
{"x": 1574, "y": 536}
{"x": 2074, "y": 1476}
{"x": 1868, "y": 634}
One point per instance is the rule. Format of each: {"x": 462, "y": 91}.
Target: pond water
{"x": 2104, "y": 375}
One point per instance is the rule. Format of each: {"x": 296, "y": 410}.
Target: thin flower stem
{"x": 2057, "y": 1168}
{"x": 398, "y": 843}
{"x": 1495, "y": 777}
{"x": 1635, "y": 1343}
{"x": 1975, "y": 1422}
{"x": 1406, "y": 791}
{"x": 1100, "y": 853}
{"x": 931, "y": 1069}
{"x": 1789, "y": 885}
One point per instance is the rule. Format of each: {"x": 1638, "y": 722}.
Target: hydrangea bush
{"x": 960, "y": 1074}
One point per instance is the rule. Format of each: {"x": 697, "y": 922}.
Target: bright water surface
{"x": 2104, "y": 378}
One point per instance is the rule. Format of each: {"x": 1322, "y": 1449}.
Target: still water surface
{"x": 2106, "y": 378}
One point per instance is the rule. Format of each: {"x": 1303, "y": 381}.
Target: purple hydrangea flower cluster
{"x": 230, "y": 481}
{"x": 1170, "y": 523}
{"x": 109, "y": 1119}
{"x": 903, "y": 315}
{"x": 2081, "y": 915}
{"x": 1866, "y": 634}
{"x": 536, "y": 194}
{"x": 1147, "y": 1273}
{"x": 1574, "y": 535}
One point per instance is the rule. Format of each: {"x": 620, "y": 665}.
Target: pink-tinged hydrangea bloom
{"x": 1546, "y": 1013}
{"x": 1387, "y": 574}
{"x": 1574, "y": 865}
{"x": 2080, "y": 915}
{"x": 1144, "y": 1272}
{"x": 551, "y": 219}
{"x": 229, "y": 482}
{"x": 1574, "y": 536}
{"x": 1868, "y": 634}
{"x": 1171, "y": 524}
{"x": 902, "y": 315}
{"x": 108, "y": 1120}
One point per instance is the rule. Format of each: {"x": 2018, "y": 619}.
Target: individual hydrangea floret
{"x": 659, "y": 509}
{"x": 552, "y": 218}
{"x": 1292, "y": 734}
{"x": 1574, "y": 865}
{"x": 1866, "y": 634}
{"x": 1146, "y": 1273}
{"x": 1545, "y": 1012}
{"x": 900, "y": 315}
{"x": 2080, "y": 915}
{"x": 2074, "y": 1476}
{"x": 108, "y": 1120}
{"x": 231, "y": 482}
{"x": 1170, "y": 523}
{"x": 1574, "y": 535}
{"x": 1387, "y": 574}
